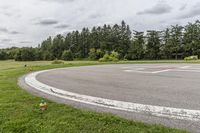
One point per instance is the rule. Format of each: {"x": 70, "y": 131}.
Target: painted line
{"x": 137, "y": 71}
{"x": 193, "y": 68}
{"x": 154, "y": 72}
{"x": 140, "y": 69}
{"x": 187, "y": 70}
{"x": 184, "y": 67}
{"x": 177, "y": 113}
{"x": 166, "y": 70}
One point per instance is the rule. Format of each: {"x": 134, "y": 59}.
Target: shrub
{"x": 67, "y": 55}
{"x": 57, "y": 62}
{"x": 114, "y": 56}
{"x": 92, "y": 54}
{"x": 105, "y": 58}
{"x": 195, "y": 57}
{"x": 95, "y": 54}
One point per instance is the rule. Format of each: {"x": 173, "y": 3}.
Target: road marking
{"x": 166, "y": 70}
{"x": 137, "y": 71}
{"x": 128, "y": 70}
{"x": 184, "y": 67}
{"x": 153, "y": 72}
{"x": 177, "y": 113}
{"x": 193, "y": 68}
{"x": 187, "y": 70}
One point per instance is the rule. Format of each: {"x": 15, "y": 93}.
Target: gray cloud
{"x": 62, "y": 26}
{"x": 9, "y": 10}
{"x": 47, "y": 21}
{"x": 159, "y": 8}
{"x": 8, "y": 14}
{"x": 14, "y": 32}
{"x": 4, "y": 30}
{"x": 6, "y": 40}
{"x": 58, "y": 1}
{"x": 193, "y": 12}
{"x": 183, "y": 7}
{"x": 94, "y": 16}
{"x": 25, "y": 42}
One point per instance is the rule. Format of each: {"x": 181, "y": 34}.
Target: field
{"x": 19, "y": 111}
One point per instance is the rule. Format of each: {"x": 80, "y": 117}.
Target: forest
{"x": 174, "y": 42}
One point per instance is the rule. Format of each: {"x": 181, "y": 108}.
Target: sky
{"x": 29, "y": 22}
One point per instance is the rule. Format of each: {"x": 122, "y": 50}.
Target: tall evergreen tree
{"x": 153, "y": 45}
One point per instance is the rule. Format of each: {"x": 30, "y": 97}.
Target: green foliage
{"x": 57, "y": 62}
{"x": 136, "y": 50}
{"x": 153, "y": 45}
{"x": 27, "y": 54}
{"x": 47, "y": 56}
{"x": 114, "y": 56}
{"x": 105, "y": 58}
{"x": 95, "y": 54}
{"x": 175, "y": 42}
{"x": 67, "y": 55}
{"x": 92, "y": 54}
{"x": 195, "y": 57}
{"x": 3, "y": 55}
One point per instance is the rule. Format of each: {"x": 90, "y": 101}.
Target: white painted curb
{"x": 177, "y": 113}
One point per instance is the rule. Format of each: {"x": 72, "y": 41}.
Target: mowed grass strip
{"x": 19, "y": 110}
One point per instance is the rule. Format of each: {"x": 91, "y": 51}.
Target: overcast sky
{"x": 28, "y": 22}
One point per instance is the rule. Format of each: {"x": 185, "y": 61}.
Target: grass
{"x": 19, "y": 111}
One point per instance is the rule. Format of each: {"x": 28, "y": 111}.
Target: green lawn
{"x": 19, "y": 110}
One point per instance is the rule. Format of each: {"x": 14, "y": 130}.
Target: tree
{"x": 3, "y": 55}
{"x": 67, "y": 55}
{"x": 136, "y": 48}
{"x": 46, "y": 48}
{"x": 57, "y": 46}
{"x": 153, "y": 45}
{"x": 176, "y": 40}
{"x": 26, "y": 54}
{"x": 84, "y": 41}
{"x": 191, "y": 40}
{"x": 166, "y": 45}
{"x": 125, "y": 39}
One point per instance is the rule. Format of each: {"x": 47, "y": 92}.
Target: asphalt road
{"x": 175, "y": 86}
{"x": 178, "y": 89}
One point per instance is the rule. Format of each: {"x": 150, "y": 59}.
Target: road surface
{"x": 152, "y": 93}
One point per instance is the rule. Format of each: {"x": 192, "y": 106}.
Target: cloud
{"x": 159, "y": 8}
{"x": 8, "y": 14}
{"x": 193, "y": 12}
{"x": 35, "y": 20}
{"x": 62, "y": 26}
{"x": 4, "y": 30}
{"x": 183, "y": 7}
{"x": 58, "y": 1}
{"x": 47, "y": 21}
{"x": 14, "y": 32}
{"x": 25, "y": 42}
{"x": 94, "y": 16}
{"x": 6, "y": 40}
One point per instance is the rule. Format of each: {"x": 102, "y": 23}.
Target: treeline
{"x": 175, "y": 42}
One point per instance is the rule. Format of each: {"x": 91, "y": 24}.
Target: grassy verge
{"x": 19, "y": 110}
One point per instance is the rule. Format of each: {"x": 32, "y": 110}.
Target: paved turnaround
{"x": 153, "y": 93}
